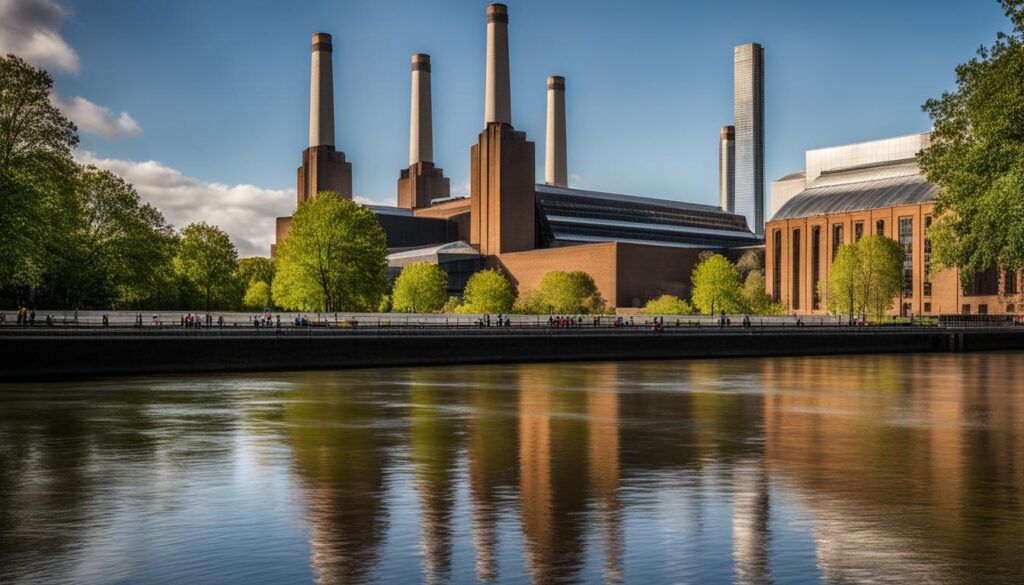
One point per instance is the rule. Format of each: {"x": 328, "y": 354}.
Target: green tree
{"x": 866, "y": 276}
{"x": 754, "y": 298}
{"x": 841, "y": 288}
{"x": 667, "y": 305}
{"x": 879, "y": 273}
{"x": 110, "y": 245}
{"x": 36, "y": 171}
{"x": 716, "y": 286}
{"x": 421, "y": 287}
{"x": 255, "y": 268}
{"x": 564, "y": 292}
{"x": 207, "y": 259}
{"x": 976, "y": 158}
{"x": 488, "y": 291}
{"x": 333, "y": 259}
{"x": 258, "y": 296}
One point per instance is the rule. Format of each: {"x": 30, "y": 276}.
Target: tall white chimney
{"x": 321, "y": 93}
{"x": 421, "y": 127}
{"x": 497, "y": 95}
{"x": 555, "y": 171}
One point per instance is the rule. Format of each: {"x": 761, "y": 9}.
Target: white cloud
{"x": 576, "y": 181}
{"x": 371, "y": 201}
{"x": 95, "y": 119}
{"x": 28, "y": 28}
{"x": 246, "y": 212}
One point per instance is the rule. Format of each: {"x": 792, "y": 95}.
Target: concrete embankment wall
{"x": 70, "y": 356}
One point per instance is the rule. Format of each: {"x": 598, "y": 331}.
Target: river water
{"x": 870, "y": 469}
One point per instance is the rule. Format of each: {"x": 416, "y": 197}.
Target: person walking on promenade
{"x": 21, "y": 316}
{"x": 32, "y": 317}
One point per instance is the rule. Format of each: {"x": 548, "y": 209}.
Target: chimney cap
{"x": 556, "y": 79}
{"x": 321, "y": 37}
{"x": 421, "y": 58}
{"x": 728, "y": 131}
{"x": 497, "y": 9}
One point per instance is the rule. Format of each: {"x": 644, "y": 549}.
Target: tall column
{"x": 421, "y": 142}
{"x": 555, "y": 171}
{"x": 422, "y": 182}
{"x": 323, "y": 168}
{"x": 727, "y": 169}
{"x": 497, "y": 96}
{"x": 748, "y": 104}
{"x": 502, "y": 162}
{"x": 321, "y": 92}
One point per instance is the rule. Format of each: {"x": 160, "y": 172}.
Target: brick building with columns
{"x": 848, "y": 192}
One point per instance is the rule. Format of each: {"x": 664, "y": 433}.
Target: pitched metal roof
{"x": 861, "y": 188}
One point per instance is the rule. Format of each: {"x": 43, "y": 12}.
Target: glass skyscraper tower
{"x": 748, "y": 101}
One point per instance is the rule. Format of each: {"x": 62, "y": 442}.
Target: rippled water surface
{"x": 875, "y": 469}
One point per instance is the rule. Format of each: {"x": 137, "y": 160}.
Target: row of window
{"x": 906, "y": 241}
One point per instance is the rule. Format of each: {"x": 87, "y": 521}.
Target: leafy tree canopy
{"x": 207, "y": 259}
{"x": 755, "y": 299}
{"x": 564, "y": 293}
{"x": 866, "y": 276}
{"x": 977, "y": 157}
{"x": 255, "y": 268}
{"x": 258, "y": 296}
{"x": 36, "y": 173}
{"x": 488, "y": 291}
{"x": 667, "y": 305}
{"x": 421, "y": 287}
{"x": 716, "y": 286}
{"x": 333, "y": 259}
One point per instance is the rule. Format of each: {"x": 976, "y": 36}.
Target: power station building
{"x": 635, "y": 248}
{"x": 870, "y": 188}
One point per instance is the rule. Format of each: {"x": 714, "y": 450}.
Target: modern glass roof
{"x": 576, "y": 215}
{"x": 861, "y": 188}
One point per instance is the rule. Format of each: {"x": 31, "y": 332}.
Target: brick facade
{"x": 789, "y": 276}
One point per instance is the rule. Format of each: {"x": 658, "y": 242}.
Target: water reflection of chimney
{"x": 347, "y": 513}
{"x": 750, "y": 514}
{"x": 434, "y": 438}
{"x": 492, "y": 457}
{"x": 603, "y": 459}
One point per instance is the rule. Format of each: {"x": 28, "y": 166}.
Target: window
{"x": 777, "y": 266}
{"x": 1010, "y": 282}
{"x": 795, "y": 294}
{"x": 984, "y": 283}
{"x": 880, "y": 227}
{"x": 927, "y": 307}
{"x": 815, "y": 266}
{"x": 1010, "y": 308}
{"x": 837, "y": 239}
{"x": 983, "y": 309}
{"x": 907, "y": 243}
{"x": 966, "y": 309}
{"x": 858, "y": 231}
{"x": 927, "y": 257}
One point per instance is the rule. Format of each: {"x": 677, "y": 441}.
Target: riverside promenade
{"x": 66, "y": 350}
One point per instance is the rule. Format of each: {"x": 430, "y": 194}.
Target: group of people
{"x": 560, "y": 322}
{"x": 500, "y": 321}
{"x": 190, "y": 321}
{"x": 26, "y": 317}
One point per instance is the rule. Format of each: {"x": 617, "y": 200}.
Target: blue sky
{"x": 219, "y": 90}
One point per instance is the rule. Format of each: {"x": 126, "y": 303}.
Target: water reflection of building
{"x": 340, "y": 459}
{"x": 889, "y": 454}
{"x": 434, "y": 438}
{"x": 568, "y": 442}
{"x": 492, "y": 460}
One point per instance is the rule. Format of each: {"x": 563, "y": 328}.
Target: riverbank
{"x": 41, "y": 354}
